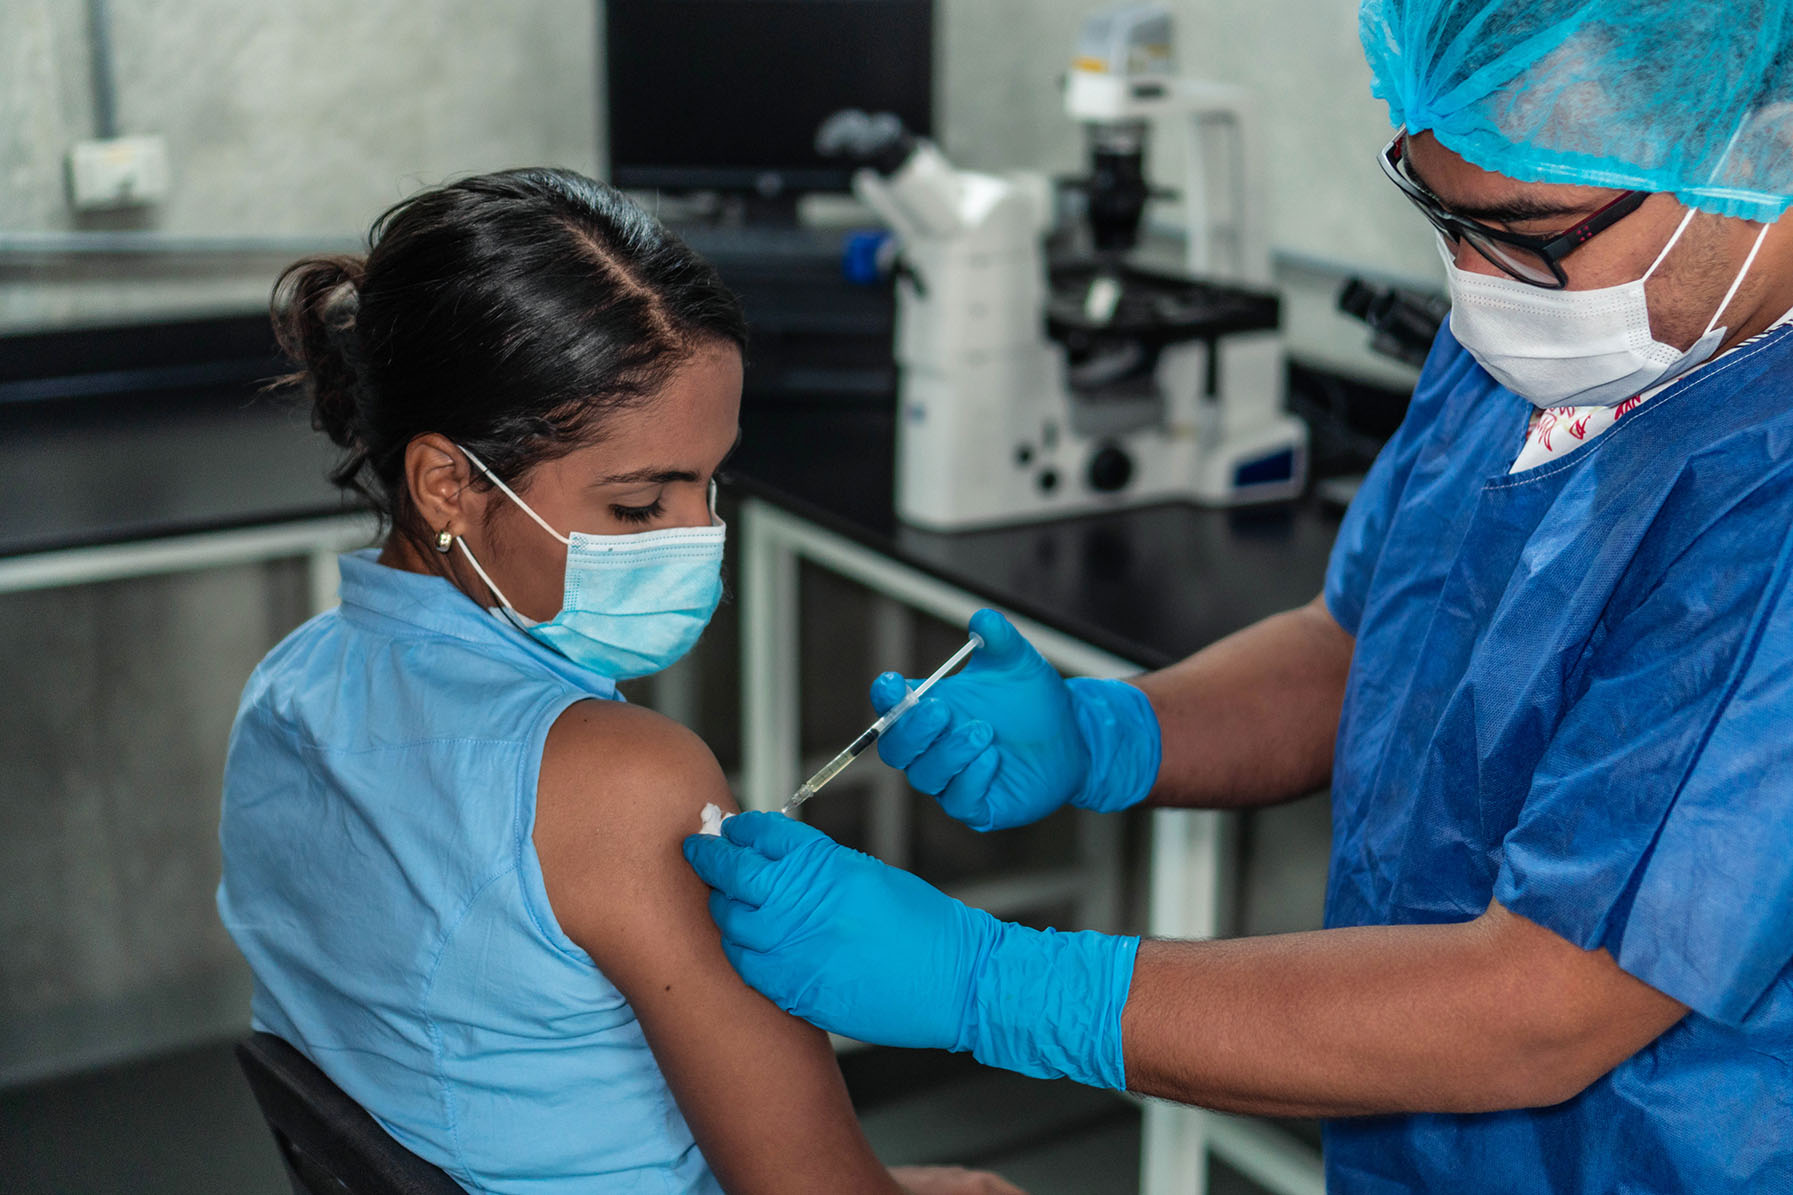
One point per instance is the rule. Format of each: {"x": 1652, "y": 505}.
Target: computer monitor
{"x": 726, "y": 95}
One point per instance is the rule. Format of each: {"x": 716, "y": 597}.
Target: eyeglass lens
{"x": 1525, "y": 264}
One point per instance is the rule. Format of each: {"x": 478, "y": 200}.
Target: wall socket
{"x": 119, "y": 172}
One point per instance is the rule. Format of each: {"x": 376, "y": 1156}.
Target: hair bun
{"x": 314, "y": 307}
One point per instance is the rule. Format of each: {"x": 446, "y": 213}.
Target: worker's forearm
{"x": 1251, "y": 720}
{"x": 1491, "y": 1014}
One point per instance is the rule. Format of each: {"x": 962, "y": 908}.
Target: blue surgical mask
{"x": 632, "y": 605}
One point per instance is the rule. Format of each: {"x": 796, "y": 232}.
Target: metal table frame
{"x": 317, "y": 540}
{"x": 1191, "y": 850}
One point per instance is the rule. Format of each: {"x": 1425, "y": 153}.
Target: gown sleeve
{"x": 1659, "y": 821}
{"x": 1358, "y": 548}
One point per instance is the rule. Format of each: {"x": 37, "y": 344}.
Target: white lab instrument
{"x": 871, "y": 734}
{"x": 1019, "y": 399}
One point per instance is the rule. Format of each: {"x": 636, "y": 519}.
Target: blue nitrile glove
{"x": 863, "y": 949}
{"x": 1006, "y": 740}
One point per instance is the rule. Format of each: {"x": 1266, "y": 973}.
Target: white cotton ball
{"x": 712, "y": 818}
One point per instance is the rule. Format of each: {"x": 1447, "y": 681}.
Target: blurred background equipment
{"x": 1404, "y": 321}
{"x": 724, "y": 96}
{"x": 1028, "y": 393}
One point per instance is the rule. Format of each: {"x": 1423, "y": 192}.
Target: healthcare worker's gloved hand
{"x": 1006, "y": 740}
{"x": 863, "y": 949}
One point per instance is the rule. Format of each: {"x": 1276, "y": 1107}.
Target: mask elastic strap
{"x": 512, "y": 495}
{"x": 1660, "y": 257}
{"x": 510, "y": 611}
{"x": 1738, "y": 281}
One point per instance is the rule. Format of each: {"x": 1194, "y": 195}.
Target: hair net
{"x": 1689, "y": 96}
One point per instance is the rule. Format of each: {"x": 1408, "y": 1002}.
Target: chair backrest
{"x": 330, "y": 1145}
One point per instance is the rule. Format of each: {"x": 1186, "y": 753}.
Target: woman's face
{"x": 652, "y": 470}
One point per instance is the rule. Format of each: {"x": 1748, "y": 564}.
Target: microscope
{"x": 1030, "y": 392}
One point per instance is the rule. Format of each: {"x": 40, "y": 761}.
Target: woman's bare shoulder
{"x": 620, "y": 788}
{"x": 626, "y": 763}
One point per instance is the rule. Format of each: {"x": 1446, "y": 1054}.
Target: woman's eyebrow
{"x": 661, "y": 476}
{"x": 648, "y": 476}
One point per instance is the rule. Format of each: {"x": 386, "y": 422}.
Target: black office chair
{"x": 330, "y": 1145}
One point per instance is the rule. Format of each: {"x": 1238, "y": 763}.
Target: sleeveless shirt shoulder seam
{"x": 529, "y": 769}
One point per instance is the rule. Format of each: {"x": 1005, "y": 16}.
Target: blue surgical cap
{"x": 1689, "y": 96}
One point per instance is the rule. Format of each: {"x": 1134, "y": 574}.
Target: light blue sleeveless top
{"x": 381, "y": 879}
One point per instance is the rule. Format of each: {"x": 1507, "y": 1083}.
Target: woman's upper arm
{"x": 620, "y": 789}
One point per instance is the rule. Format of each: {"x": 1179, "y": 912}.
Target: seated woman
{"x": 451, "y": 852}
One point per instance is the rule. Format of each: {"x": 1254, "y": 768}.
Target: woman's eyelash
{"x": 638, "y": 514}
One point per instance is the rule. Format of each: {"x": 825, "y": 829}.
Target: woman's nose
{"x": 694, "y": 506}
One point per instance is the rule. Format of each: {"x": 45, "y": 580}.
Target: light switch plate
{"x": 119, "y": 172}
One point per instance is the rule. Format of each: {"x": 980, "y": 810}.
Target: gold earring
{"x": 444, "y": 540}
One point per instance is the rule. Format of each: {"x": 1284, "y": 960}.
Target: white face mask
{"x": 1571, "y": 348}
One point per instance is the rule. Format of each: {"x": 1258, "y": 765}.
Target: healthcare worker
{"x": 1550, "y": 678}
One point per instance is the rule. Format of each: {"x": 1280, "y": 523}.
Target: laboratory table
{"x": 1148, "y": 586}
{"x": 126, "y": 482}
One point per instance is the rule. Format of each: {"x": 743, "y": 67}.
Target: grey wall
{"x": 306, "y": 119}
{"x": 300, "y": 119}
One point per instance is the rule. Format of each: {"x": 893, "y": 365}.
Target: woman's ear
{"x": 439, "y": 478}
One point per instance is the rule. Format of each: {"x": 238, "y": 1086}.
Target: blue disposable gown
{"x": 1572, "y": 693}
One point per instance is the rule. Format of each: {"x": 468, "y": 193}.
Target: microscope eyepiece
{"x": 877, "y": 140}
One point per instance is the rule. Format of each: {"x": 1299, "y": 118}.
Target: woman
{"x": 451, "y": 853}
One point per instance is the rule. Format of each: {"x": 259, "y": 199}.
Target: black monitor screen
{"x": 727, "y": 94}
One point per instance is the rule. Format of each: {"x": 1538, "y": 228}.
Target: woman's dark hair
{"x": 510, "y": 312}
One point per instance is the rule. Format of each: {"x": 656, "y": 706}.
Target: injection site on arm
{"x": 712, "y": 818}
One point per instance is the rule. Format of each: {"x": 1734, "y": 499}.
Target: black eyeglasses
{"x": 1530, "y": 259}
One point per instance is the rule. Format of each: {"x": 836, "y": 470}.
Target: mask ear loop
{"x": 1660, "y": 257}
{"x": 1737, "y": 282}
{"x": 512, "y": 495}
{"x": 504, "y": 603}
{"x": 510, "y": 611}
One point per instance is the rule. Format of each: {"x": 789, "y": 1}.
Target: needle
{"x": 838, "y": 764}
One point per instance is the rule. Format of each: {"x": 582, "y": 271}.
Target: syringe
{"x": 838, "y": 764}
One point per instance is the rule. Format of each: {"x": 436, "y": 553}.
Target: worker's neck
{"x": 1765, "y": 306}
